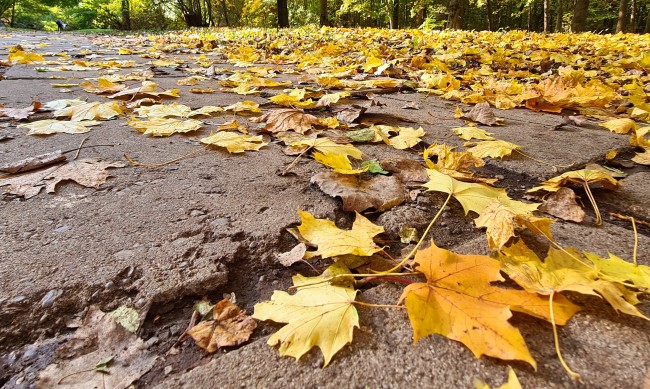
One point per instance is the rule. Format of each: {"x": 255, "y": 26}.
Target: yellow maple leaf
{"x": 492, "y": 148}
{"x": 474, "y": 197}
{"x": 459, "y": 301}
{"x": 501, "y": 221}
{"x": 148, "y": 89}
{"x": 233, "y": 124}
{"x": 49, "y": 126}
{"x": 326, "y": 145}
{"x": 638, "y": 139}
{"x": 90, "y": 111}
{"x": 407, "y": 137}
{"x": 235, "y": 143}
{"x": 207, "y": 110}
{"x": 245, "y": 89}
{"x": 372, "y": 63}
{"x": 469, "y": 133}
{"x": 317, "y": 315}
{"x": 193, "y": 80}
{"x": 512, "y": 383}
{"x": 642, "y": 158}
{"x": 620, "y": 126}
{"x": 244, "y": 107}
{"x": 564, "y": 270}
{"x": 17, "y": 54}
{"x": 616, "y": 269}
{"x": 103, "y": 86}
{"x": 456, "y": 164}
{"x": 327, "y": 100}
{"x": 201, "y": 90}
{"x": 287, "y": 119}
{"x": 164, "y": 127}
{"x": 164, "y": 111}
{"x": 580, "y": 177}
{"x": 333, "y": 241}
{"x": 338, "y": 162}
{"x": 293, "y": 100}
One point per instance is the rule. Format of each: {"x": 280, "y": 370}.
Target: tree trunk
{"x": 530, "y": 15}
{"x": 580, "y": 12}
{"x": 632, "y": 26}
{"x": 420, "y": 17}
{"x": 12, "y": 21}
{"x": 394, "y": 15}
{"x": 455, "y": 14}
{"x": 324, "y": 17}
{"x": 622, "y": 15}
{"x": 488, "y": 5}
{"x": 647, "y": 22}
{"x": 547, "y": 16}
{"x": 558, "y": 16}
{"x": 283, "y": 14}
{"x": 224, "y": 9}
{"x": 126, "y": 15}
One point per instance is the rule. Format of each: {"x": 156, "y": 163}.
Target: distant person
{"x": 60, "y": 24}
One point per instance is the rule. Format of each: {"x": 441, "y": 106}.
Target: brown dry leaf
{"x": 358, "y": 194}
{"x": 87, "y": 172}
{"x": 280, "y": 120}
{"x": 563, "y": 204}
{"x": 105, "y": 354}
{"x": 230, "y": 326}
{"x": 294, "y": 255}
{"x": 642, "y": 158}
{"x": 409, "y": 171}
{"x": 20, "y": 113}
{"x": 482, "y": 113}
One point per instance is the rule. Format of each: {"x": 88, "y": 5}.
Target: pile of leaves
{"x": 322, "y": 114}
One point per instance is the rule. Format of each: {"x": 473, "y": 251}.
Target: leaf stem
{"x": 599, "y": 219}
{"x": 424, "y": 234}
{"x": 387, "y": 278}
{"x": 377, "y": 305}
{"x": 136, "y": 163}
{"x": 556, "y": 338}
{"x": 294, "y": 162}
{"x": 541, "y": 161}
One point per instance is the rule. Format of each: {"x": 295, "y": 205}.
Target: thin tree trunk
{"x": 632, "y": 26}
{"x": 324, "y": 17}
{"x": 12, "y": 22}
{"x": 455, "y": 14}
{"x": 622, "y": 15}
{"x": 394, "y": 16}
{"x": 647, "y": 22}
{"x": 224, "y": 9}
{"x": 547, "y": 16}
{"x": 558, "y": 16}
{"x": 580, "y": 12}
{"x": 530, "y": 15}
{"x": 126, "y": 15}
{"x": 283, "y": 14}
{"x": 488, "y": 5}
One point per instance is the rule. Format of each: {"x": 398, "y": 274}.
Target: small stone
{"x": 95, "y": 296}
{"x": 196, "y": 212}
{"x": 17, "y": 300}
{"x": 62, "y": 229}
{"x": 168, "y": 369}
{"x": 110, "y": 285}
{"x": 152, "y": 342}
{"x": 183, "y": 264}
{"x": 50, "y": 297}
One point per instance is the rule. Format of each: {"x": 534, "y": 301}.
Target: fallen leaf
{"x": 325, "y": 145}
{"x": 207, "y": 110}
{"x": 17, "y": 54}
{"x": 90, "y": 111}
{"x": 127, "y": 317}
{"x": 501, "y": 222}
{"x": 201, "y": 90}
{"x": 230, "y": 326}
{"x": 317, "y": 315}
{"x": 164, "y": 111}
{"x": 512, "y": 383}
{"x": 52, "y": 126}
{"x": 409, "y": 171}
{"x": 339, "y": 163}
{"x": 108, "y": 347}
{"x": 280, "y": 120}
{"x": 642, "y": 158}
{"x": 482, "y": 113}
{"x": 459, "y": 301}
{"x": 407, "y": 137}
{"x": 148, "y": 89}
{"x": 621, "y": 126}
{"x": 294, "y": 255}
{"x": 358, "y": 194}
{"x": 579, "y": 177}
{"x": 564, "y": 270}
{"x": 164, "y": 127}
{"x": 233, "y": 124}
{"x": 86, "y": 172}
{"x": 20, "y": 113}
{"x": 332, "y": 241}
{"x": 103, "y": 86}
{"x": 492, "y": 148}
{"x": 469, "y": 133}
{"x": 474, "y": 197}
{"x": 328, "y": 99}
{"x": 563, "y": 204}
{"x": 235, "y": 143}
{"x": 244, "y": 107}
{"x": 616, "y": 269}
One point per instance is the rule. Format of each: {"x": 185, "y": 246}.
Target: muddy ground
{"x": 158, "y": 239}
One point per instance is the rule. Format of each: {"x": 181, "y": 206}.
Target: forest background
{"x": 602, "y": 16}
